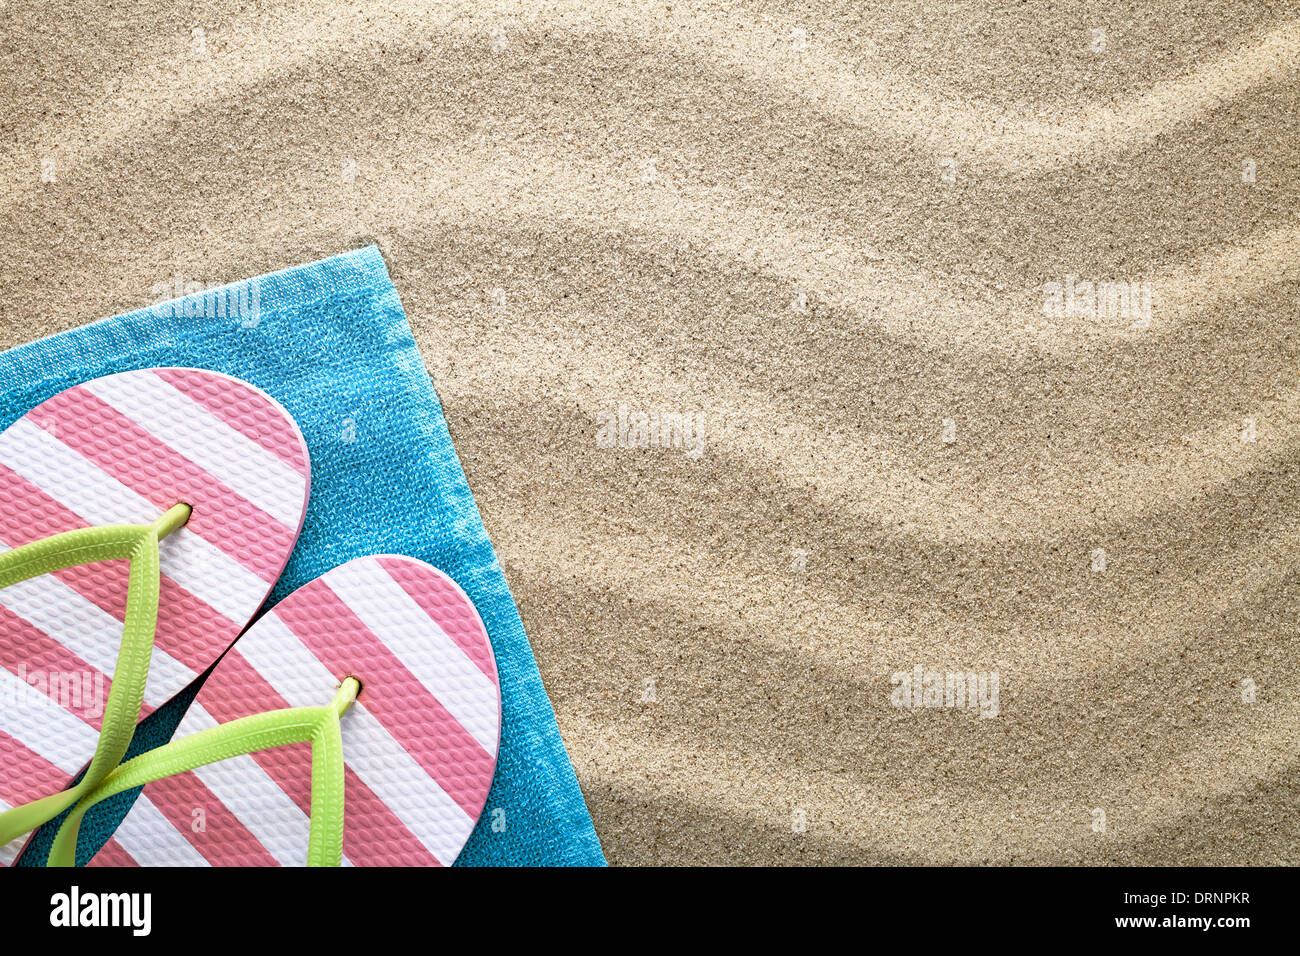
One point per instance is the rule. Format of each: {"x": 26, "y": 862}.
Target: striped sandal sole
{"x": 122, "y": 450}
{"x": 420, "y": 743}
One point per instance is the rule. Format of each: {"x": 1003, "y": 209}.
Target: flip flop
{"x": 149, "y": 509}
{"x": 377, "y": 679}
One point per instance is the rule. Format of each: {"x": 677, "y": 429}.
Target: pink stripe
{"x": 446, "y": 604}
{"x": 370, "y": 827}
{"x": 236, "y": 690}
{"x": 372, "y": 834}
{"x": 243, "y": 409}
{"x": 29, "y": 514}
{"x": 33, "y": 515}
{"x": 224, "y": 841}
{"x": 405, "y": 708}
{"x": 27, "y": 775}
{"x": 157, "y": 473}
{"x": 290, "y": 767}
{"x": 188, "y": 629}
{"x": 28, "y": 652}
{"x": 113, "y": 854}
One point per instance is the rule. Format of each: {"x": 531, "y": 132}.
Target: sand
{"x": 838, "y": 238}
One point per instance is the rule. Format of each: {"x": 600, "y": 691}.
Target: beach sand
{"x": 849, "y": 245}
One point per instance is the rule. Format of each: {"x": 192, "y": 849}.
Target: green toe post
{"x": 277, "y": 728}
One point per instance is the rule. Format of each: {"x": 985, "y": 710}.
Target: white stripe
{"x": 43, "y": 727}
{"x": 253, "y": 796}
{"x": 422, "y": 646}
{"x": 243, "y": 788}
{"x": 98, "y": 498}
{"x": 384, "y": 765}
{"x": 9, "y": 852}
{"x": 369, "y": 750}
{"x": 89, "y": 632}
{"x": 171, "y": 416}
{"x": 151, "y": 839}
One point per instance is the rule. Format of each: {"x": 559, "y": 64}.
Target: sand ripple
{"x": 828, "y": 234}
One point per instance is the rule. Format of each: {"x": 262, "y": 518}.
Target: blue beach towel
{"x": 330, "y": 341}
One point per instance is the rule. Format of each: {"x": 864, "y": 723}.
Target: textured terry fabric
{"x": 330, "y": 341}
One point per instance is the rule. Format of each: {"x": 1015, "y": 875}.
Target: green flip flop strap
{"x": 139, "y": 545}
{"x": 277, "y": 728}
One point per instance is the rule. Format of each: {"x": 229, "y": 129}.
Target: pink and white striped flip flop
{"x": 419, "y": 745}
{"x": 122, "y": 450}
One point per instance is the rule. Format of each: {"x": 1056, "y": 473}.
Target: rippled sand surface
{"x": 834, "y": 240}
